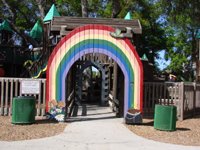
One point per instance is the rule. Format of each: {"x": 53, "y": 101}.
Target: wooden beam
{"x": 74, "y": 22}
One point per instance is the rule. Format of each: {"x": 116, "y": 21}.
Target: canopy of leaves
{"x": 182, "y": 19}
{"x": 167, "y": 25}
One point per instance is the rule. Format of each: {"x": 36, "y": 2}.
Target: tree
{"x": 182, "y": 19}
{"x": 116, "y": 8}
{"x": 40, "y": 4}
{"x": 153, "y": 38}
{"x": 22, "y": 15}
{"x": 84, "y": 6}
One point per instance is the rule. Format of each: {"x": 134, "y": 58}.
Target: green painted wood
{"x": 5, "y": 26}
{"x": 37, "y": 31}
{"x": 128, "y": 16}
{"x": 144, "y": 57}
{"x": 52, "y": 13}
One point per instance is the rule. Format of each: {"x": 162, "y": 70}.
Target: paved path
{"x": 99, "y": 131}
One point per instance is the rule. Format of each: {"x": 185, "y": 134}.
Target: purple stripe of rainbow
{"x": 62, "y": 72}
{"x": 102, "y": 51}
{"x": 60, "y": 48}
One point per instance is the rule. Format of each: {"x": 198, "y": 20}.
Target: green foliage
{"x": 167, "y": 25}
{"x": 153, "y": 37}
{"x": 182, "y": 20}
{"x": 69, "y": 7}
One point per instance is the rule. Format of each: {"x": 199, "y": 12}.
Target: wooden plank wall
{"x": 10, "y": 88}
{"x": 191, "y": 103}
{"x": 74, "y": 22}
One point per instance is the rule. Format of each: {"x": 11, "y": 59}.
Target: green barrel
{"x": 23, "y": 110}
{"x": 165, "y": 117}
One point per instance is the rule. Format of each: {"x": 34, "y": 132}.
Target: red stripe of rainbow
{"x": 95, "y": 39}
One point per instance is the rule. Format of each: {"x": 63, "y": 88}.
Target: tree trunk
{"x": 41, "y": 8}
{"x": 84, "y": 6}
{"x": 116, "y": 8}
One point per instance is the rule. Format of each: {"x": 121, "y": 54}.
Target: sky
{"x": 162, "y": 63}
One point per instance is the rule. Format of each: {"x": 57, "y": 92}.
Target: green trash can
{"x": 165, "y": 117}
{"x": 23, "y": 110}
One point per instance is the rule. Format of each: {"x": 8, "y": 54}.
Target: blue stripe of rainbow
{"x": 62, "y": 59}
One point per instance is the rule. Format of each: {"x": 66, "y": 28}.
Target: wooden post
{"x": 149, "y": 98}
{"x": 6, "y": 98}
{"x": 39, "y": 100}
{"x": 91, "y": 83}
{"x": 165, "y": 94}
{"x": 115, "y": 68}
{"x": 194, "y": 98}
{"x": 153, "y": 98}
{"x": 2, "y": 97}
{"x": 181, "y": 100}
{"x": 44, "y": 97}
{"x": 145, "y": 98}
{"x": 11, "y": 96}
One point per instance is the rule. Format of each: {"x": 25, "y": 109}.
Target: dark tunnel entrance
{"x": 94, "y": 82}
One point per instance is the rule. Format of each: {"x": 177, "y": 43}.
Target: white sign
{"x": 30, "y": 87}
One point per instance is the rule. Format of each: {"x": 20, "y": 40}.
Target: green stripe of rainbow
{"x": 95, "y": 39}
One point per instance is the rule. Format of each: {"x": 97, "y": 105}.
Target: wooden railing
{"x": 185, "y": 96}
{"x": 191, "y": 102}
{"x": 11, "y": 87}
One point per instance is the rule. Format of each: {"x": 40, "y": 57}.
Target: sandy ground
{"x": 187, "y": 132}
{"x": 42, "y": 128}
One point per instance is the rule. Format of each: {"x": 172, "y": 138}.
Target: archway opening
{"x": 91, "y": 85}
{"x": 93, "y": 82}
{"x": 88, "y": 41}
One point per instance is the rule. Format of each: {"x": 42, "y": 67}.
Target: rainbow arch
{"x": 95, "y": 39}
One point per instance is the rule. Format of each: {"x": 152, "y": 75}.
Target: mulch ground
{"x": 42, "y": 128}
{"x": 187, "y": 132}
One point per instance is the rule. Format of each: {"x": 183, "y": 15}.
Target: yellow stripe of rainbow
{"x": 95, "y": 33}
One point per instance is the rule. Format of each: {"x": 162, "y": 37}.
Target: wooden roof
{"x": 52, "y": 12}
{"x": 73, "y": 22}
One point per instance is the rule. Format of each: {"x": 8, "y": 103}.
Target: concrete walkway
{"x": 100, "y": 130}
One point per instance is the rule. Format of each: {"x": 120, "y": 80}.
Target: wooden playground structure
{"x": 74, "y": 46}
{"x": 87, "y": 61}
{"x": 92, "y": 45}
